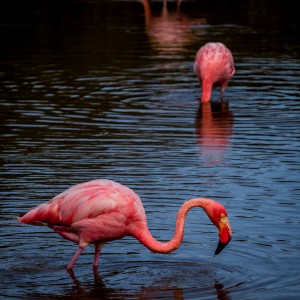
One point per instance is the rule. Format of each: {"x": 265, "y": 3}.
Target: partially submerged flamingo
{"x": 101, "y": 210}
{"x": 213, "y": 66}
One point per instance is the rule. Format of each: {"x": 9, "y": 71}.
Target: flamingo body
{"x": 213, "y": 65}
{"x": 101, "y": 210}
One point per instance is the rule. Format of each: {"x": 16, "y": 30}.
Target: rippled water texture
{"x": 105, "y": 89}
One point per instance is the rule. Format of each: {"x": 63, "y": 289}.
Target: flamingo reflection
{"x": 170, "y": 31}
{"x": 166, "y": 288}
{"x": 214, "y": 127}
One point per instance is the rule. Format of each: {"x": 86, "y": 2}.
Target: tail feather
{"x": 39, "y": 215}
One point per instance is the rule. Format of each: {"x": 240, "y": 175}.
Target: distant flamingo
{"x": 213, "y": 65}
{"x": 101, "y": 210}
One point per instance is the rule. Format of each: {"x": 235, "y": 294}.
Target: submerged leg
{"x": 74, "y": 258}
{"x": 98, "y": 248}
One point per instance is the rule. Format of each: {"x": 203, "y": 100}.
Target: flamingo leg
{"x": 222, "y": 93}
{"x": 74, "y": 258}
{"x": 223, "y": 87}
{"x": 98, "y": 248}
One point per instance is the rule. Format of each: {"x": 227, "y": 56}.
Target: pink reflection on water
{"x": 214, "y": 128}
{"x": 170, "y": 32}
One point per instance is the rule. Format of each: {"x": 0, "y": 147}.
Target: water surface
{"x": 106, "y": 89}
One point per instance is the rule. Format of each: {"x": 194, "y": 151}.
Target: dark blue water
{"x": 105, "y": 89}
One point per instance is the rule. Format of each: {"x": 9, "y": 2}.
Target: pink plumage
{"x": 101, "y": 210}
{"x": 213, "y": 65}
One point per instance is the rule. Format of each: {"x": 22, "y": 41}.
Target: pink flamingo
{"x": 101, "y": 210}
{"x": 213, "y": 65}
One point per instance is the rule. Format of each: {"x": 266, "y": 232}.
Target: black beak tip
{"x": 220, "y": 247}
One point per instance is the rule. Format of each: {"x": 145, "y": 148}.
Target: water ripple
{"x": 125, "y": 106}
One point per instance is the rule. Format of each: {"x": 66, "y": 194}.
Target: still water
{"x": 105, "y": 89}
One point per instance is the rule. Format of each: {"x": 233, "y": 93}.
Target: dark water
{"x": 103, "y": 89}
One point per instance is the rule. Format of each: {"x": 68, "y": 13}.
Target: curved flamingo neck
{"x": 145, "y": 237}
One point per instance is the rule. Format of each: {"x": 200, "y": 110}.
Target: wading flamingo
{"x": 101, "y": 210}
{"x": 213, "y": 65}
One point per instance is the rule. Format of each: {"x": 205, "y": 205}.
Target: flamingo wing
{"x": 80, "y": 202}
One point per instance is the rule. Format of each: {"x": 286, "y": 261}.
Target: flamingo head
{"x": 225, "y": 233}
{"x": 218, "y": 215}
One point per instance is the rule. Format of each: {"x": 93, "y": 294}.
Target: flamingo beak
{"x": 225, "y": 234}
